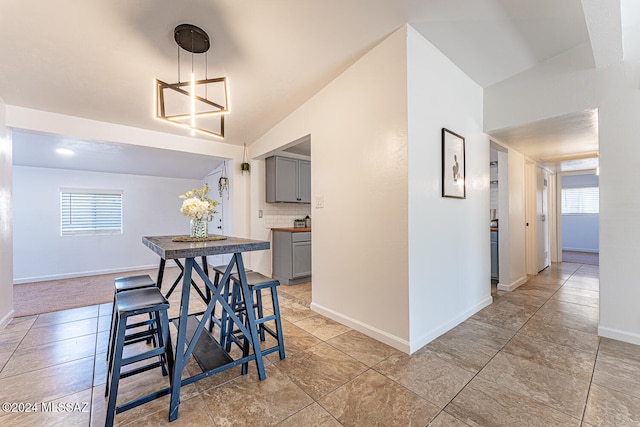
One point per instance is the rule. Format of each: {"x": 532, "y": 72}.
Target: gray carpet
{"x": 55, "y": 295}
{"x": 581, "y": 257}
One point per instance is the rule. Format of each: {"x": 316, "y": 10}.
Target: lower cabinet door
{"x": 301, "y": 259}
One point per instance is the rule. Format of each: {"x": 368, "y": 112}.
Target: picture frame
{"x": 453, "y": 165}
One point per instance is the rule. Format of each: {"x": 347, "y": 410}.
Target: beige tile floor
{"x": 531, "y": 358}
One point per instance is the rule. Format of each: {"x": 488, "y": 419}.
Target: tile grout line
{"x": 93, "y": 371}
{"x": 489, "y": 361}
{"x": 593, "y": 371}
{"x": 507, "y": 343}
{"x": 13, "y": 352}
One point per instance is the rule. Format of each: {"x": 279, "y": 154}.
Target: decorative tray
{"x": 198, "y": 239}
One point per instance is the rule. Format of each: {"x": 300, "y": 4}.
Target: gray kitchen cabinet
{"x": 291, "y": 256}
{"x": 288, "y": 180}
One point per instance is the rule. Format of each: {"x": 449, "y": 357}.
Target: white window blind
{"x": 90, "y": 212}
{"x": 580, "y": 201}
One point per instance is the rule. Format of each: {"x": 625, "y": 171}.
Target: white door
{"x": 542, "y": 219}
{"x": 216, "y": 225}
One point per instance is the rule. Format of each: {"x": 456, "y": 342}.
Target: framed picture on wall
{"x": 453, "y": 165}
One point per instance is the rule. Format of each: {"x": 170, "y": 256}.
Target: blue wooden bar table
{"x": 186, "y": 340}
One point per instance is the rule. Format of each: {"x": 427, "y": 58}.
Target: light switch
{"x": 260, "y": 213}
{"x": 319, "y": 202}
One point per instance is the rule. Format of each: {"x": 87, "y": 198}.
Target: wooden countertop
{"x": 292, "y": 229}
{"x": 494, "y": 228}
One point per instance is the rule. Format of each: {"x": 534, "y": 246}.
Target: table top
{"x": 168, "y": 249}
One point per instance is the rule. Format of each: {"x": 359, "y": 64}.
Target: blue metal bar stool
{"x": 129, "y": 283}
{"x": 132, "y": 303}
{"x": 219, "y": 271}
{"x": 256, "y": 283}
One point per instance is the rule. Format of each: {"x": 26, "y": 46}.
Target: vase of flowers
{"x": 199, "y": 228}
{"x": 200, "y": 208}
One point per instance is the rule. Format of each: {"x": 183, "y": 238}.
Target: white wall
{"x": 517, "y": 274}
{"x": 619, "y": 128}
{"x": 6, "y": 231}
{"x": 150, "y": 207}
{"x": 449, "y": 251}
{"x": 384, "y": 241}
{"x": 580, "y": 233}
{"x": 358, "y": 128}
{"x": 558, "y": 87}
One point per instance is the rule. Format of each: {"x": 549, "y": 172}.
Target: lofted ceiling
{"x": 98, "y": 59}
{"x": 41, "y": 150}
{"x": 563, "y": 143}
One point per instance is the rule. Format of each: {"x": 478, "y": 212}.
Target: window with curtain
{"x": 90, "y": 212}
{"x": 580, "y": 201}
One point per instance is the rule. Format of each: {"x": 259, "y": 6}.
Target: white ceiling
{"x": 557, "y": 142}
{"x": 98, "y": 59}
{"x": 39, "y": 150}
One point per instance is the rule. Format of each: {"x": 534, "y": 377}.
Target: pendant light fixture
{"x": 198, "y": 104}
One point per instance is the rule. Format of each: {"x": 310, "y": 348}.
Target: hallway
{"x": 533, "y": 357}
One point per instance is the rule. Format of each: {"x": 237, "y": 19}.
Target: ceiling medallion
{"x": 190, "y": 104}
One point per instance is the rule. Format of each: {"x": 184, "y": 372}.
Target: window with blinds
{"x": 88, "y": 212}
{"x": 580, "y": 201}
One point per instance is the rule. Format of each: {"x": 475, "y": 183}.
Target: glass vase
{"x": 199, "y": 228}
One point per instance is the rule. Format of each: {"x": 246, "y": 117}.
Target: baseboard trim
{"x": 436, "y": 332}
{"x": 394, "y": 341}
{"x": 619, "y": 335}
{"x": 591, "y": 251}
{"x": 513, "y": 285}
{"x": 385, "y": 337}
{"x": 82, "y": 274}
{"x": 6, "y": 319}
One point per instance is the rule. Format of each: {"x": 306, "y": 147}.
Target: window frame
{"x": 584, "y": 203}
{"x": 104, "y": 212}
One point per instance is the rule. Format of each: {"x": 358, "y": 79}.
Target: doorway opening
{"x": 580, "y": 217}
{"x": 499, "y": 214}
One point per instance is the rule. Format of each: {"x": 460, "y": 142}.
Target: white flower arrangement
{"x": 198, "y": 205}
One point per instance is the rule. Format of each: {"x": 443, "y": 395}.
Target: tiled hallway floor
{"x": 531, "y": 358}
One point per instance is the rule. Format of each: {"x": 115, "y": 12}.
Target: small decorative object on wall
{"x": 453, "y": 165}
{"x": 245, "y": 166}
{"x": 223, "y": 182}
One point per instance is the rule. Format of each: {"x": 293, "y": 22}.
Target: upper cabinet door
{"x": 288, "y": 180}
{"x": 304, "y": 181}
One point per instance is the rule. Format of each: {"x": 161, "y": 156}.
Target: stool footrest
{"x": 141, "y": 400}
{"x": 140, "y": 336}
{"x": 265, "y": 319}
{"x": 142, "y": 356}
{"x": 141, "y": 369}
{"x": 138, "y": 324}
